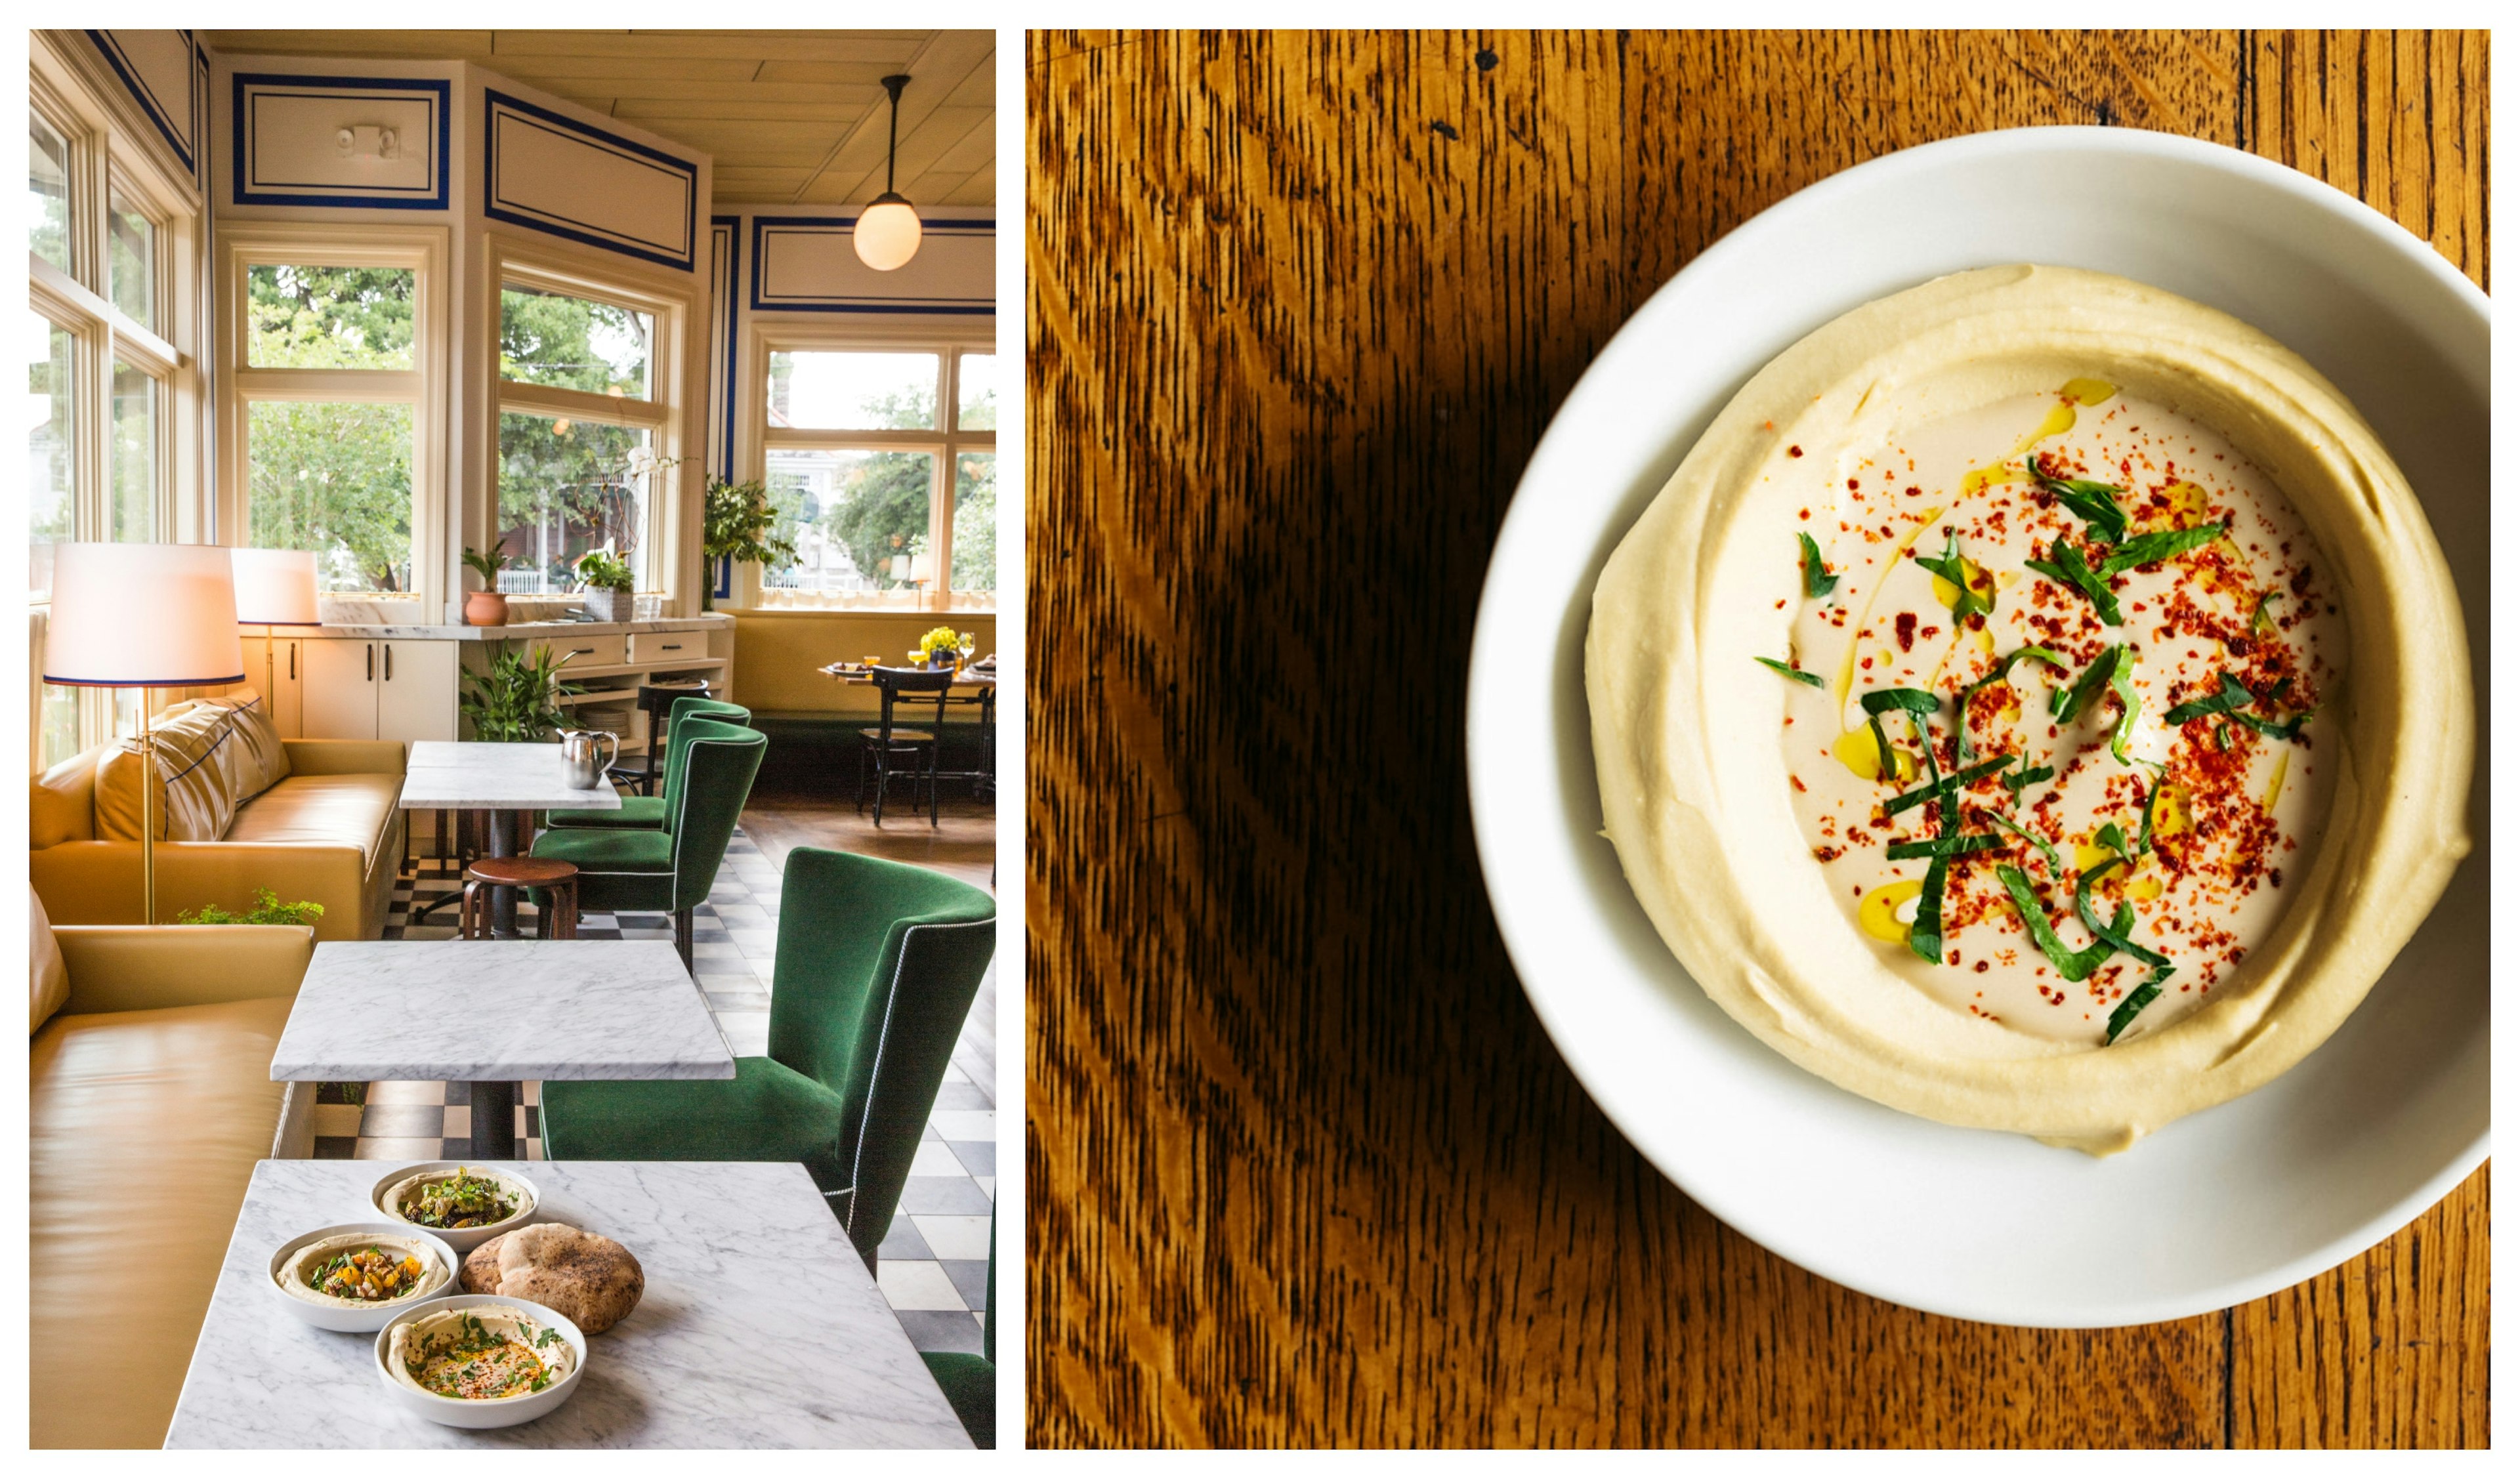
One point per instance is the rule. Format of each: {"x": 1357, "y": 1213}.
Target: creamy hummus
{"x": 2097, "y": 752}
{"x": 434, "y": 1273}
{"x": 479, "y": 1352}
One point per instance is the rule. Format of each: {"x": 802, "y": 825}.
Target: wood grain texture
{"x": 1302, "y": 1167}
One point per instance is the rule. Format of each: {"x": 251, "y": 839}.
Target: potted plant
{"x": 488, "y": 605}
{"x": 510, "y": 702}
{"x": 606, "y": 580}
{"x": 267, "y": 910}
{"x": 943, "y": 648}
{"x": 736, "y": 520}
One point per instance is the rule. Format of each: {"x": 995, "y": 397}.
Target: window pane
{"x": 136, "y": 400}
{"x": 49, "y": 511}
{"x": 859, "y": 520}
{"x": 131, "y": 261}
{"x": 546, "y": 338}
{"x": 852, "y": 393}
{"x": 48, "y": 187}
{"x": 329, "y": 318}
{"x": 566, "y": 487}
{"x": 975, "y": 521}
{"x": 978, "y": 393}
{"x": 60, "y": 721}
{"x": 334, "y": 477}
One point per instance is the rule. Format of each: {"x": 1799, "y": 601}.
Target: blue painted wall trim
{"x": 148, "y": 101}
{"x": 734, "y": 274}
{"x": 551, "y": 223}
{"x": 926, "y": 306}
{"x": 434, "y": 200}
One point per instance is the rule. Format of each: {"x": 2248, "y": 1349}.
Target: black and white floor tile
{"x": 933, "y": 1264}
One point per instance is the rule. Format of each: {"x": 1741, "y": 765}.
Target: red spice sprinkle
{"x": 1793, "y": 451}
{"x": 1850, "y": 485}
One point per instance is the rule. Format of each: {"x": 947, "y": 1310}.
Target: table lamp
{"x": 145, "y": 616}
{"x": 274, "y": 588}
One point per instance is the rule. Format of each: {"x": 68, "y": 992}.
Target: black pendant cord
{"x": 892, "y": 131}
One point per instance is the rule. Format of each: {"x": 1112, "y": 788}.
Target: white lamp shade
{"x": 275, "y": 587}
{"x": 887, "y": 234}
{"x": 142, "y": 615}
{"x": 923, "y": 567}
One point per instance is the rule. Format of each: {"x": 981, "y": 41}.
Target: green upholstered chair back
{"x": 683, "y": 708}
{"x": 718, "y": 764}
{"x": 877, "y": 964}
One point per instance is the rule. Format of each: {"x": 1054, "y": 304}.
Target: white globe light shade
{"x": 887, "y": 234}
{"x": 276, "y": 587}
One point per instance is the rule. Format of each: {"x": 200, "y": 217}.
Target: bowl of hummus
{"x": 357, "y": 1276}
{"x": 473, "y": 1360}
{"x": 2011, "y": 748}
{"x": 462, "y": 1203}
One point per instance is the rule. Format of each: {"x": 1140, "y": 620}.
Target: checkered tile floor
{"x": 933, "y": 1264}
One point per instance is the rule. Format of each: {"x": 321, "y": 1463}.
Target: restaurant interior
{"x": 512, "y": 735}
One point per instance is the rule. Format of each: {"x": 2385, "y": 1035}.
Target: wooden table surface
{"x": 1302, "y": 1167}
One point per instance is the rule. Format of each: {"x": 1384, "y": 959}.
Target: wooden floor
{"x": 962, "y": 844}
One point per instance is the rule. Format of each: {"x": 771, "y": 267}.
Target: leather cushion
{"x": 63, "y": 808}
{"x": 254, "y": 758}
{"x": 50, "y": 976}
{"x": 347, "y": 811}
{"x": 144, "y": 1129}
{"x": 194, "y": 799}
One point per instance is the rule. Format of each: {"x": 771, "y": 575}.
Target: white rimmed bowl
{"x": 507, "y": 1412}
{"x": 460, "y": 1239}
{"x": 2223, "y": 1206}
{"x": 362, "y": 1319}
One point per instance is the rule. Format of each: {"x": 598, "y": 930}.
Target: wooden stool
{"x": 557, "y": 922}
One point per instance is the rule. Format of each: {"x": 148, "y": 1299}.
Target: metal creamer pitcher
{"x": 577, "y": 756}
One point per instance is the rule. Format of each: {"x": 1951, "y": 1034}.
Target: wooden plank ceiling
{"x": 790, "y": 117}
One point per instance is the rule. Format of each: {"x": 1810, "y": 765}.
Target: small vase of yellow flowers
{"x": 943, "y": 648}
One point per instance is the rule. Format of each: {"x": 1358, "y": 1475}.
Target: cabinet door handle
{"x": 371, "y": 662}
{"x": 292, "y": 662}
{"x": 389, "y": 662}
{"x": 673, "y": 646}
{"x": 581, "y": 651}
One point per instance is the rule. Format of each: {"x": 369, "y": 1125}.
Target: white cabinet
{"x": 282, "y": 683}
{"x": 375, "y": 690}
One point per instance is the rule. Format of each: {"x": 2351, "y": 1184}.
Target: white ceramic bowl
{"x": 456, "y": 1412}
{"x": 460, "y": 1239}
{"x": 433, "y": 1283}
{"x": 2222, "y": 1206}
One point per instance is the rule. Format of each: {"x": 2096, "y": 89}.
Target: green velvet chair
{"x": 650, "y": 812}
{"x": 971, "y": 1382}
{"x": 876, "y": 966}
{"x": 667, "y": 870}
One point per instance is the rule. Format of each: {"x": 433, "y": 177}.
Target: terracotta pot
{"x": 485, "y": 608}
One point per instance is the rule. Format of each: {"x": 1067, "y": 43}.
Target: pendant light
{"x": 888, "y": 230}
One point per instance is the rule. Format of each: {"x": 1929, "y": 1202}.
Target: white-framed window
{"x": 588, "y": 420}
{"x": 333, "y": 339}
{"x": 113, "y": 392}
{"x": 880, "y": 460}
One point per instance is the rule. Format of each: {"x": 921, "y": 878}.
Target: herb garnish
{"x": 2259, "y": 620}
{"x": 1944, "y": 847}
{"x": 2095, "y": 502}
{"x": 2026, "y": 777}
{"x": 2066, "y": 565}
{"x": 2001, "y": 668}
{"x": 2232, "y": 695}
{"x": 2116, "y": 933}
{"x": 2114, "y": 671}
{"x": 1795, "y": 673}
{"x": 2233, "y": 699}
{"x": 1948, "y": 785}
{"x": 1955, "y": 569}
{"x": 1817, "y": 580}
{"x": 2073, "y": 965}
{"x": 2046, "y": 849}
{"x": 2167, "y": 544}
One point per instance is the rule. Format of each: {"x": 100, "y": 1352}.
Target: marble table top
{"x": 760, "y": 1326}
{"x": 512, "y": 1009}
{"x": 460, "y": 775}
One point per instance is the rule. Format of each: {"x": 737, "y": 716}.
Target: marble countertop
{"x": 464, "y": 774}
{"x": 499, "y": 1010}
{"x": 415, "y": 631}
{"x": 760, "y": 1326}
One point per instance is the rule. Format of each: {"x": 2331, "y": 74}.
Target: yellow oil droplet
{"x": 1986, "y": 641}
{"x": 1878, "y": 913}
{"x": 2170, "y": 812}
{"x": 1864, "y": 619}
{"x": 1991, "y": 475}
{"x": 2090, "y": 392}
{"x": 1856, "y": 751}
{"x": 2283, "y": 762}
{"x": 2058, "y": 421}
{"x": 1979, "y": 581}
{"x": 2087, "y": 857}
{"x": 2144, "y": 890}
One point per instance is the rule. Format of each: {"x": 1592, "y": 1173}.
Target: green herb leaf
{"x": 2290, "y": 729}
{"x": 1949, "y": 784}
{"x": 2102, "y": 672}
{"x": 2026, "y": 777}
{"x": 2094, "y": 503}
{"x": 1944, "y": 847}
{"x": 2259, "y": 620}
{"x": 2166, "y": 544}
{"x": 2073, "y": 965}
{"x": 1817, "y": 580}
{"x": 1950, "y": 567}
{"x": 2136, "y": 1000}
{"x": 1968, "y": 695}
{"x": 2066, "y": 565}
{"x": 2122, "y": 684}
{"x": 2231, "y": 696}
{"x": 1914, "y": 701}
{"x": 1925, "y": 936}
{"x": 2116, "y": 932}
{"x": 1795, "y": 673}
{"x": 2046, "y": 849}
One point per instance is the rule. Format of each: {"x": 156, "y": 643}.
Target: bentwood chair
{"x": 650, "y": 812}
{"x": 667, "y": 870}
{"x": 876, "y": 966}
{"x": 886, "y": 741}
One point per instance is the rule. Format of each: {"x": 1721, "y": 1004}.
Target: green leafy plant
{"x": 510, "y": 701}
{"x": 738, "y": 522}
{"x": 267, "y": 910}
{"x": 487, "y": 566}
{"x": 603, "y": 571}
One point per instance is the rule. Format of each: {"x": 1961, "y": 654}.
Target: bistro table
{"x": 984, "y": 781}
{"x": 494, "y": 1012}
{"x": 502, "y": 779}
{"x": 759, "y": 1327}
